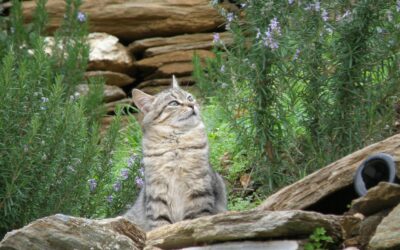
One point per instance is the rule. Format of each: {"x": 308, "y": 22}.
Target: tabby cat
{"x": 179, "y": 181}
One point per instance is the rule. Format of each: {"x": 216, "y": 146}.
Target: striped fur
{"x": 179, "y": 182}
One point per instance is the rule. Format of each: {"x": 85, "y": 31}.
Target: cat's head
{"x": 173, "y": 107}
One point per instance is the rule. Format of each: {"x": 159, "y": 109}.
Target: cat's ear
{"x": 142, "y": 100}
{"x": 174, "y": 82}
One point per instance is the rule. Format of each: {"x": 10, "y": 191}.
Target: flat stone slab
{"x": 60, "y": 232}
{"x": 253, "y": 245}
{"x": 384, "y": 195}
{"x": 231, "y": 226}
{"x": 111, "y": 78}
{"x": 141, "y": 45}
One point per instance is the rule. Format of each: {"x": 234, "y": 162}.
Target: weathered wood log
{"x": 330, "y": 179}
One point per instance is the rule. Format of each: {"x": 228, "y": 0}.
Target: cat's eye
{"x": 190, "y": 98}
{"x": 173, "y": 103}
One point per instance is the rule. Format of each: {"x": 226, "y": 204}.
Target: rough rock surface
{"x": 66, "y": 232}
{"x": 247, "y": 225}
{"x": 136, "y": 19}
{"x": 111, "y": 78}
{"x": 387, "y": 235}
{"x": 141, "y": 45}
{"x": 106, "y": 53}
{"x": 177, "y": 69}
{"x": 368, "y": 227}
{"x": 113, "y": 93}
{"x": 384, "y": 195}
{"x": 152, "y": 63}
{"x": 178, "y": 47}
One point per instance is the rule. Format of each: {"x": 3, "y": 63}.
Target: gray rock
{"x": 113, "y": 93}
{"x": 110, "y": 94}
{"x": 384, "y": 195}
{"x": 387, "y": 235}
{"x": 67, "y": 232}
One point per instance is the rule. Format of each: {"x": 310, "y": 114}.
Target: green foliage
{"x": 318, "y": 240}
{"x": 305, "y": 83}
{"x": 50, "y": 142}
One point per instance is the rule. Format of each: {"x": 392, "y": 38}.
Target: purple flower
{"x": 141, "y": 171}
{"x": 216, "y": 38}
{"x": 44, "y": 99}
{"x": 398, "y": 5}
{"x": 132, "y": 160}
{"x": 347, "y": 14}
{"x": 230, "y": 17}
{"x": 117, "y": 186}
{"x": 296, "y": 55}
{"x": 81, "y": 17}
{"x": 110, "y": 198}
{"x": 92, "y": 184}
{"x": 317, "y": 6}
{"x": 222, "y": 69}
{"x": 269, "y": 38}
{"x": 324, "y": 15}
{"x": 274, "y": 25}
{"x": 139, "y": 181}
{"x": 124, "y": 173}
{"x": 291, "y": 2}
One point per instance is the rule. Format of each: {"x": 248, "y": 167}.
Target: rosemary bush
{"x": 305, "y": 82}
{"x": 52, "y": 157}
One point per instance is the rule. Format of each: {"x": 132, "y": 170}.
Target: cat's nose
{"x": 191, "y": 105}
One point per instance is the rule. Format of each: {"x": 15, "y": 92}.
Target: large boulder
{"x": 136, "y": 19}
{"x": 106, "y": 53}
{"x": 59, "y": 232}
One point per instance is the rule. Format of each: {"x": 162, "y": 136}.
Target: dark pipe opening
{"x": 374, "y": 172}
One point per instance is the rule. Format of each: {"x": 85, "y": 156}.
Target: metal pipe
{"x": 376, "y": 168}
